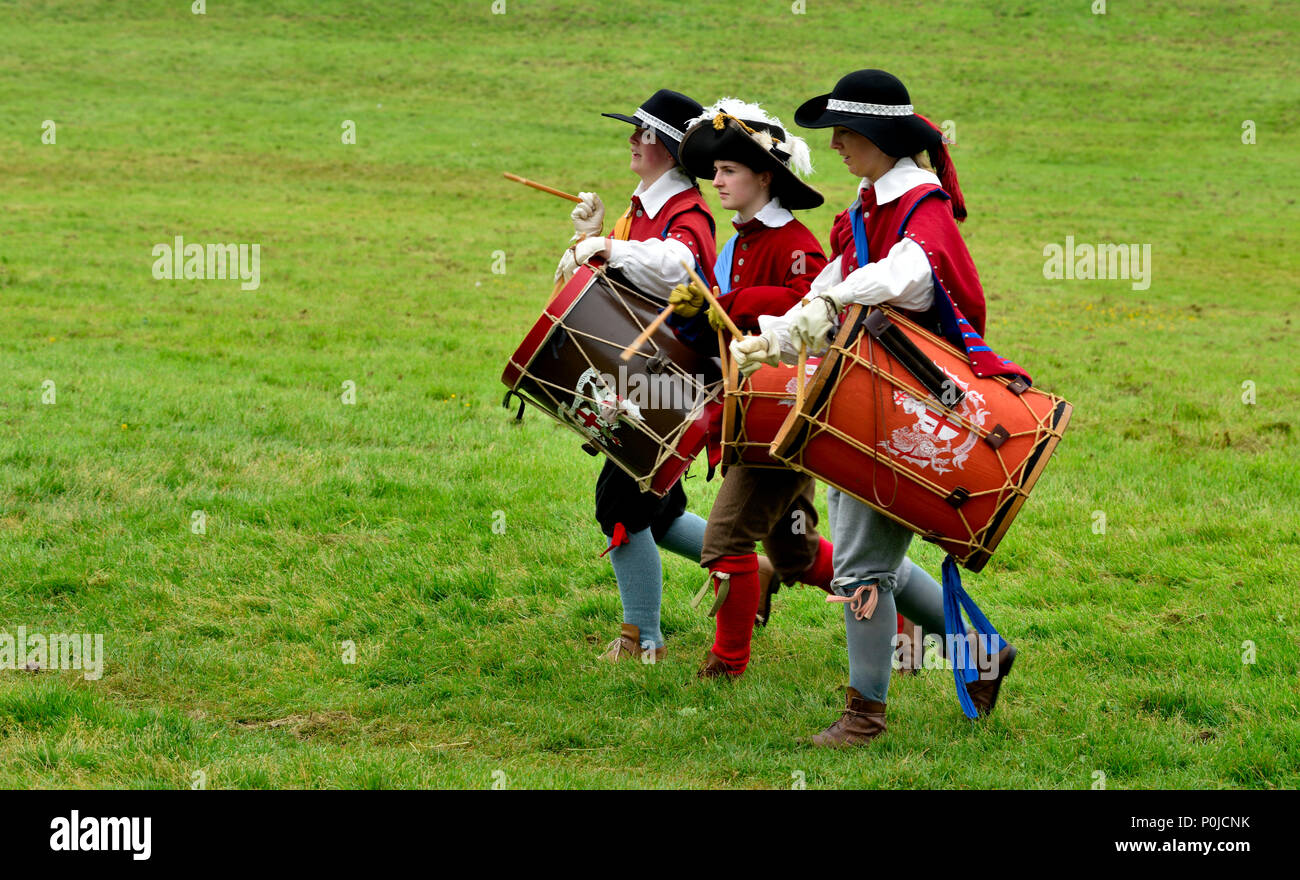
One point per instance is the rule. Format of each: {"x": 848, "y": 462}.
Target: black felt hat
{"x": 667, "y": 112}
{"x": 743, "y": 133}
{"x": 876, "y": 105}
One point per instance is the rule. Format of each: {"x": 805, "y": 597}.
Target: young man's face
{"x": 863, "y": 158}
{"x": 739, "y": 187}
{"x": 650, "y": 158}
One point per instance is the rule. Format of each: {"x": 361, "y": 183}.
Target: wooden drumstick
{"x": 799, "y": 379}
{"x": 713, "y": 301}
{"x": 646, "y": 334}
{"x": 543, "y": 187}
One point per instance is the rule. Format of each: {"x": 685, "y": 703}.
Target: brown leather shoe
{"x": 715, "y": 667}
{"x": 768, "y": 584}
{"x": 862, "y": 721}
{"x": 628, "y": 646}
{"x": 984, "y": 693}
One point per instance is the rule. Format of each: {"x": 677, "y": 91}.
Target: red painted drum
{"x": 650, "y": 415}
{"x": 901, "y": 423}
{"x": 754, "y": 411}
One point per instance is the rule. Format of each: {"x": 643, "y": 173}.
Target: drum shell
{"x": 882, "y": 438}
{"x": 583, "y": 329}
{"x": 754, "y": 411}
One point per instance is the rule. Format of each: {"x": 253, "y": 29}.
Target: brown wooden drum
{"x": 917, "y": 436}
{"x": 754, "y": 411}
{"x": 650, "y": 415}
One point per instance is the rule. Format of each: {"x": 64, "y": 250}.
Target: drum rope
{"x": 976, "y": 539}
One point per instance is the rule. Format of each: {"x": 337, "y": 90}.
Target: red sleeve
{"x": 694, "y": 228}
{"x": 747, "y": 303}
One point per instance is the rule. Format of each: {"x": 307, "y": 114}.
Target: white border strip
{"x": 869, "y": 109}
{"x": 656, "y": 122}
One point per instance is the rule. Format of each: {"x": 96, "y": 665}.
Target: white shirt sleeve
{"x": 826, "y": 279}
{"x": 901, "y": 280}
{"x": 654, "y": 265}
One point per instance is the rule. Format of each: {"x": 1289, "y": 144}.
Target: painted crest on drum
{"x": 600, "y": 412}
{"x": 792, "y": 387}
{"x": 928, "y": 441}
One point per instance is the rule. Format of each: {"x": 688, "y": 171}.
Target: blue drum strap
{"x": 963, "y": 664}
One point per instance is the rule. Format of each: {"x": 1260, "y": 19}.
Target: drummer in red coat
{"x": 666, "y": 222}
{"x": 897, "y": 245}
{"x": 764, "y": 268}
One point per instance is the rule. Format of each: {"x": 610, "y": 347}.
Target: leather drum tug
{"x": 650, "y": 415}
{"x": 754, "y": 411}
{"x": 896, "y": 418}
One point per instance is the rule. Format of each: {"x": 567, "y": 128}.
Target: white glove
{"x": 811, "y": 322}
{"x": 564, "y": 271}
{"x": 588, "y": 248}
{"x": 589, "y": 216}
{"x": 577, "y": 255}
{"x": 751, "y": 352}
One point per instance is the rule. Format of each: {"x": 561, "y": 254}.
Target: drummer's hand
{"x": 716, "y": 319}
{"x": 752, "y": 352}
{"x": 588, "y": 248}
{"x": 564, "y": 271}
{"x": 811, "y": 323}
{"x": 687, "y": 300}
{"x": 567, "y": 267}
{"x": 589, "y": 216}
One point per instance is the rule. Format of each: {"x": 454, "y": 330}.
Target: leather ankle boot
{"x": 628, "y": 647}
{"x": 984, "y": 692}
{"x": 862, "y": 721}
{"x": 715, "y": 667}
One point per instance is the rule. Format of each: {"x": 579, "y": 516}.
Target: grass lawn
{"x": 363, "y": 532}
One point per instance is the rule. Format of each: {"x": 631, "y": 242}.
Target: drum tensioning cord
{"x": 667, "y": 444}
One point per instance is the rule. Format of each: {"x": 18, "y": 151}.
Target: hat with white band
{"x": 876, "y": 105}
{"x": 666, "y": 112}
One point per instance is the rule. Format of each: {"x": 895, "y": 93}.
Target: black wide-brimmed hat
{"x": 876, "y": 105}
{"x": 732, "y": 129}
{"x": 667, "y": 112}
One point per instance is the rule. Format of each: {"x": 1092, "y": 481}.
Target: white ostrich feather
{"x": 795, "y": 147}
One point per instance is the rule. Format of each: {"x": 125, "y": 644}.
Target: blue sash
{"x": 862, "y": 252}
{"x": 722, "y": 268}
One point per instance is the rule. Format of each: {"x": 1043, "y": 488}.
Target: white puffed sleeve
{"x": 653, "y": 265}
{"x": 902, "y": 280}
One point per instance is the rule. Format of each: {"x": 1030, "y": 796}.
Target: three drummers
{"x": 897, "y": 245}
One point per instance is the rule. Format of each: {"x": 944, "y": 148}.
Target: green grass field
{"x": 372, "y": 523}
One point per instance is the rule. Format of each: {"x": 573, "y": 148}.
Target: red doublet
{"x": 771, "y": 270}
{"x": 685, "y": 218}
{"x": 922, "y": 214}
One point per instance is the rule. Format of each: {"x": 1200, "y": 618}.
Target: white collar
{"x": 771, "y": 214}
{"x": 657, "y": 194}
{"x": 905, "y": 175}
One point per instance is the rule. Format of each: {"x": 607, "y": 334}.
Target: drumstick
{"x": 724, "y": 356}
{"x": 646, "y": 334}
{"x": 713, "y": 301}
{"x": 799, "y": 378}
{"x": 543, "y": 187}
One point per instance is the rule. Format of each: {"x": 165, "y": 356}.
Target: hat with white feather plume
{"x": 742, "y": 132}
